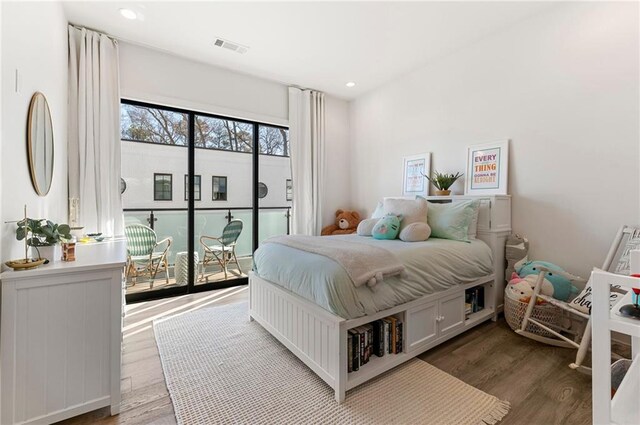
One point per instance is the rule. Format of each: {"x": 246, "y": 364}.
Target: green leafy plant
{"x": 443, "y": 181}
{"x": 41, "y": 232}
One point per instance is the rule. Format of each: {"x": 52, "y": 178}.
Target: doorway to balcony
{"x": 198, "y": 183}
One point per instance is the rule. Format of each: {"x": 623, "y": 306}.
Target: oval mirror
{"x": 40, "y": 144}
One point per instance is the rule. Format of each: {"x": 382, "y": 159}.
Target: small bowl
{"x": 94, "y": 235}
{"x": 98, "y": 238}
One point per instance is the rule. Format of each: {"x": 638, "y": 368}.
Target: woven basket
{"x": 547, "y": 314}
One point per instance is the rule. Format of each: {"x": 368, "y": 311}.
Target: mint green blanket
{"x": 430, "y": 266}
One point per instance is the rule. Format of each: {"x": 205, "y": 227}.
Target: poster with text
{"x": 487, "y": 169}
{"x": 415, "y": 168}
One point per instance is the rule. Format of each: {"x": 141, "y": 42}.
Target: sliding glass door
{"x": 213, "y": 186}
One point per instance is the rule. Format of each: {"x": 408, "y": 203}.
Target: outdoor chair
{"x": 142, "y": 257}
{"x": 224, "y": 251}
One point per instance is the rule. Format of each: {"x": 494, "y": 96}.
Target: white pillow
{"x": 415, "y": 232}
{"x": 583, "y": 301}
{"x": 379, "y": 211}
{"x": 411, "y": 210}
{"x": 472, "y": 232}
{"x": 365, "y": 228}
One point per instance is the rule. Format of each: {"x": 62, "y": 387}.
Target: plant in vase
{"x": 44, "y": 235}
{"x": 442, "y": 182}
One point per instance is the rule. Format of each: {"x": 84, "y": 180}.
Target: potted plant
{"x": 442, "y": 182}
{"x": 44, "y": 235}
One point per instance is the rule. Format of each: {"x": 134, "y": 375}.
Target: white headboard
{"x": 494, "y": 227}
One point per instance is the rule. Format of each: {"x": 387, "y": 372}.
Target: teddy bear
{"x": 346, "y": 223}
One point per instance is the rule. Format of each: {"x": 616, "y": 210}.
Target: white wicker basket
{"x": 548, "y": 314}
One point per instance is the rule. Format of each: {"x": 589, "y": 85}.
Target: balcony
{"x": 172, "y": 222}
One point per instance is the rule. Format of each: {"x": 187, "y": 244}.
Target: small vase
{"x": 443, "y": 192}
{"x": 51, "y": 252}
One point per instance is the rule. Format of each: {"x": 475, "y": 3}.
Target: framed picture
{"x": 487, "y": 169}
{"x": 414, "y": 169}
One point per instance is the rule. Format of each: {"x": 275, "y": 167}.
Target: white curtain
{"x": 94, "y": 131}
{"x": 306, "y": 135}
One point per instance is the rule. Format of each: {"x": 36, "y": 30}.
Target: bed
{"x": 308, "y": 303}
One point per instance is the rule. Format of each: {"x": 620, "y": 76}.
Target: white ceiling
{"x": 320, "y": 45}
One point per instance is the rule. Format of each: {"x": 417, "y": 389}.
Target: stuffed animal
{"x": 346, "y": 223}
{"x": 516, "y": 250}
{"x": 521, "y": 289}
{"x": 563, "y": 289}
{"x": 387, "y": 227}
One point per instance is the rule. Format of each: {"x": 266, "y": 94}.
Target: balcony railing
{"x": 172, "y": 222}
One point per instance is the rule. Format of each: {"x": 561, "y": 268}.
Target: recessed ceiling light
{"x": 128, "y": 13}
{"x": 350, "y": 84}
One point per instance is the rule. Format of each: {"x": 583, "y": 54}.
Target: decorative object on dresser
{"x": 442, "y": 182}
{"x": 44, "y": 236}
{"x": 60, "y": 337}
{"x": 487, "y": 169}
{"x": 427, "y": 321}
{"x": 414, "y": 167}
{"x": 40, "y": 146}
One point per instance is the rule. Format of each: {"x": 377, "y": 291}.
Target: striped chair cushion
{"x": 141, "y": 240}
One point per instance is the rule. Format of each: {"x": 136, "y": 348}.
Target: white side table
{"x": 181, "y": 268}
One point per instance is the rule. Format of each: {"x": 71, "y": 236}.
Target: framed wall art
{"x": 487, "y": 169}
{"x": 414, "y": 169}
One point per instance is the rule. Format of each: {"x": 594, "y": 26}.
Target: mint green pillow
{"x": 451, "y": 220}
{"x": 387, "y": 227}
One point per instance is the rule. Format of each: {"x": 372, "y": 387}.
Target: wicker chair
{"x": 224, "y": 252}
{"x": 142, "y": 257}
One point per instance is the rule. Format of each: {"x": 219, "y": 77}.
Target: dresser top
{"x": 89, "y": 256}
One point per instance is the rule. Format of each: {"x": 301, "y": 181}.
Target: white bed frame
{"x": 319, "y": 338}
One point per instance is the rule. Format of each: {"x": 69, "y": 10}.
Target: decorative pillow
{"x": 387, "y": 227}
{"x": 451, "y": 220}
{"x": 379, "y": 211}
{"x": 365, "y": 228}
{"x": 582, "y": 302}
{"x": 412, "y": 210}
{"x": 473, "y": 227}
{"x": 415, "y": 232}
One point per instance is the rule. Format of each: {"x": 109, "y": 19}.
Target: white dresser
{"x": 60, "y": 336}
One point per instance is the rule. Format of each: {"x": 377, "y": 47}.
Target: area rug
{"x": 222, "y": 368}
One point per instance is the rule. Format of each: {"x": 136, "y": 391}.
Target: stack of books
{"x": 378, "y": 338}
{"x": 474, "y": 300}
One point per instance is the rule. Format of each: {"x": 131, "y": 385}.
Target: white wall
{"x": 34, "y": 42}
{"x": 156, "y": 77}
{"x": 563, "y": 86}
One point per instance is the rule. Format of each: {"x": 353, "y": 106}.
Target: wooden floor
{"x": 534, "y": 377}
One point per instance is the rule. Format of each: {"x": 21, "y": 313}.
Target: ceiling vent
{"x": 234, "y": 47}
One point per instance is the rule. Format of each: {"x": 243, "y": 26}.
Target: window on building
{"x": 289, "y": 190}
{"x": 273, "y": 140}
{"x": 263, "y": 190}
{"x": 153, "y": 125}
{"x": 219, "y": 188}
{"x": 197, "y": 193}
{"x": 162, "y": 187}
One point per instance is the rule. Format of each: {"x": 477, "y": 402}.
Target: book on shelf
{"x": 474, "y": 299}
{"x": 378, "y": 338}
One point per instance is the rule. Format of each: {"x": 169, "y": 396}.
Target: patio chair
{"x": 224, "y": 252}
{"x": 142, "y": 257}
{"x": 617, "y": 261}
